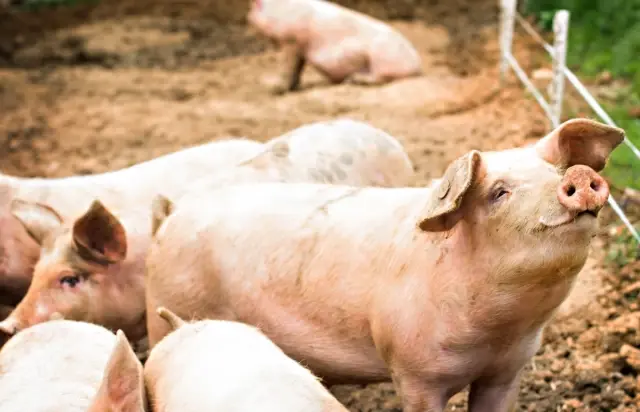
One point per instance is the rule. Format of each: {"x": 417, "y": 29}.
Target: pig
{"x": 342, "y": 44}
{"x": 92, "y": 268}
{"x": 67, "y": 198}
{"x": 218, "y": 365}
{"x": 60, "y": 366}
{"x": 435, "y": 288}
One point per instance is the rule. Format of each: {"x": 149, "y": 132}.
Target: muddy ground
{"x": 98, "y": 87}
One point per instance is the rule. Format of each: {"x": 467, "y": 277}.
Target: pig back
{"x": 346, "y": 151}
{"x": 53, "y": 366}
{"x": 247, "y": 370}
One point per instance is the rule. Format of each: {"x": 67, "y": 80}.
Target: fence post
{"x": 507, "y": 21}
{"x": 560, "y": 31}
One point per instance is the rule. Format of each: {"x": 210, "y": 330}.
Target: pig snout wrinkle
{"x": 583, "y": 190}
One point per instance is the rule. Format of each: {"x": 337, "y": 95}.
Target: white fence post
{"x": 507, "y": 22}
{"x": 560, "y": 31}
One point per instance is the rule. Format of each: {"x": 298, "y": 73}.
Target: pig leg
{"x": 494, "y": 395}
{"x": 368, "y": 79}
{"x": 418, "y": 396}
{"x": 294, "y": 62}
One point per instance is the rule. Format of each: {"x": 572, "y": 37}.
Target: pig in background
{"x": 437, "y": 288}
{"x": 51, "y": 201}
{"x": 92, "y": 268}
{"x": 69, "y": 366}
{"x": 340, "y": 43}
{"x": 217, "y": 365}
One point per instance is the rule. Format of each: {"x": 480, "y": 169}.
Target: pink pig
{"x": 92, "y": 268}
{"x": 342, "y": 44}
{"x": 69, "y": 366}
{"x": 67, "y": 198}
{"x": 437, "y": 288}
{"x": 215, "y": 365}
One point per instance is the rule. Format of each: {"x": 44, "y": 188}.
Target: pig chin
{"x": 565, "y": 222}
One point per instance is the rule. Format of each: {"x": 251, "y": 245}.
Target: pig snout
{"x": 583, "y": 190}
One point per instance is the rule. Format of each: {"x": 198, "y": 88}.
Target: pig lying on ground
{"x": 216, "y": 365}
{"x": 67, "y": 198}
{"x": 92, "y": 269}
{"x": 341, "y": 43}
{"x": 437, "y": 288}
{"x": 59, "y": 366}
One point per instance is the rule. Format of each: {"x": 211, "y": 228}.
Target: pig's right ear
{"x": 161, "y": 208}
{"x": 440, "y": 213}
{"x": 38, "y": 219}
{"x": 99, "y": 236}
{"x": 122, "y": 386}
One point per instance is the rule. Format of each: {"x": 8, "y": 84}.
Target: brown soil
{"x": 98, "y": 87}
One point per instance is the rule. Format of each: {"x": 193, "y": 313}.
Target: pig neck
{"x": 480, "y": 290}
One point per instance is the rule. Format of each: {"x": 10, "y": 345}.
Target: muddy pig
{"x": 60, "y": 366}
{"x": 217, "y": 365}
{"x": 67, "y": 198}
{"x": 437, "y": 288}
{"x": 92, "y": 268}
{"x": 340, "y": 43}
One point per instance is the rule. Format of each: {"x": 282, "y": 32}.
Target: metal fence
{"x": 558, "y": 51}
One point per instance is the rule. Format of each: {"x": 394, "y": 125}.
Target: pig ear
{"x": 279, "y": 148}
{"x": 276, "y": 150}
{"x": 448, "y": 192}
{"x": 161, "y": 208}
{"x": 580, "y": 142}
{"x": 99, "y": 235}
{"x": 122, "y": 383}
{"x": 171, "y": 318}
{"x": 39, "y": 220}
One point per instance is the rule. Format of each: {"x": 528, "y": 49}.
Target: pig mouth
{"x": 567, "y": 218}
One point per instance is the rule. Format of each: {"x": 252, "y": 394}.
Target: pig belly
{"x": 336, "y": 359}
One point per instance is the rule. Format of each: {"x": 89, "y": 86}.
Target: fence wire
{"x": 582, "y": 90}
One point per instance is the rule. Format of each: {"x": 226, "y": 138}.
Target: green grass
{"x": 605, "y": 35}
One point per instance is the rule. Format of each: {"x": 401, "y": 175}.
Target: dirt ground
{"x": 98, "y": 87}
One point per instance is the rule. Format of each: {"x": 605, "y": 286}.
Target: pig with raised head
{"x": 217, "y": 365}
{"x": 342, "y": 44}
{"x": 436, "y": 288}
{"x": 121, "y": 190}
{"x": 60, "y": 366}
{"x": 92, "y": 268}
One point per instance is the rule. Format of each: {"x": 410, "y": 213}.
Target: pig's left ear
{"x": 440, "y": 213}
{"x": 99, "y": 236}
{"x": 580, "y": 142}
{"x": 123, "y": 382}
{"x": 38, "y": 219}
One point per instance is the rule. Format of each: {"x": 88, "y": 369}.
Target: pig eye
{"x": 499, "y": 194}
{"x": 70, "y": 280}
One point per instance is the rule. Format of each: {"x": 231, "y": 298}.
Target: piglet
{"x": 438, "y": 288}
{"x": 63, "y": 366}
{"x": 214, "y": 365}
{"x": 340, "y": 43}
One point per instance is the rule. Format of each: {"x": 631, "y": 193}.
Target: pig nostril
{"x": 594, "y": 186}
{"x": 571, "y": 190}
